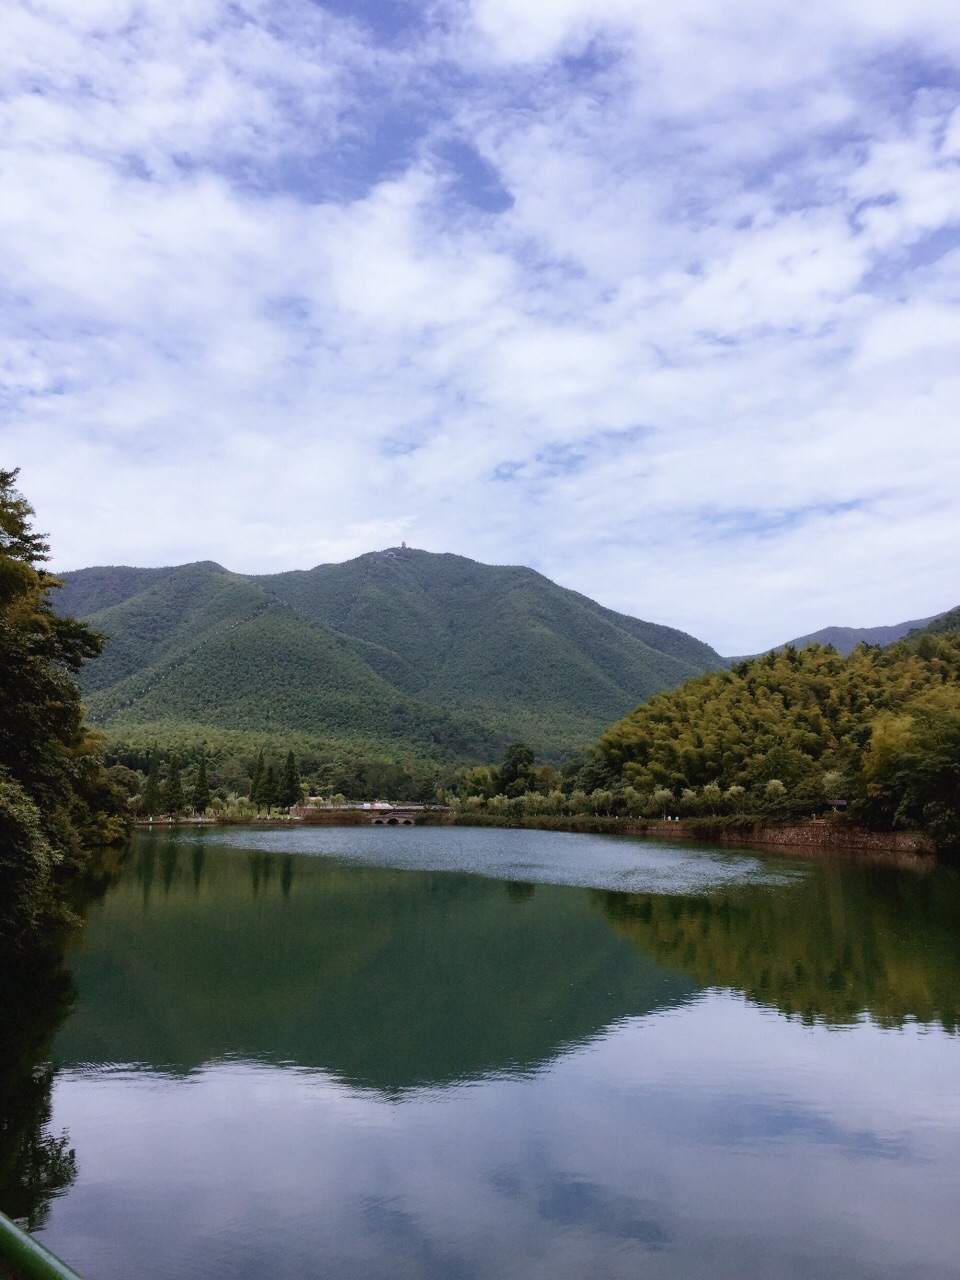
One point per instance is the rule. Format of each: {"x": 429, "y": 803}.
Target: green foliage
{"x": 396, "y": 653}
{"x": 269, "y": 790}
{"x": 235, "y": 771}
{"x": 150, "y": 803}
{"x": 912, "y": 767}
{"x": 516, "y": 772}
{"x": 799, "y": 732}
{"x": 26, "y": 859}
{"x": 171, "y": 793}
{"x": 378, "y": 779}
{"x": 256, "y": 782}
{"x": 291, "y": 788}
{"x": 55, "y": 797}
{"x": 200, "y": 800}
{"x": 947, "y": 622}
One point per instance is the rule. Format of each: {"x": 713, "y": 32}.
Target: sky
{"x": 661, "y": 300}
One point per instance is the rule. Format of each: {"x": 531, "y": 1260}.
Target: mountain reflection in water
{"x": 282, "y": 1064}
{"x": 394, "y": 979}
{"x": 389, "y": 979}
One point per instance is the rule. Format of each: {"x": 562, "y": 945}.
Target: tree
{"x": 26, "y": 859}
{"x": 171, "y": 793}
{"x": 736, "y": 797}
{"x": 913, "y": 767}
{"x": 663, "y": 798}
{"x": 291, "y": 790}
{"x": 516, "y": 772}
{"x": 151, "y": 792}
{"x": 712, "y": 797}
{"x": 57, "y": 798}
{"x": 774, "y": 800}
{"x": 256, "y": 785}
{"x": 200, "y": 800}
{"x": 269, "y": 790}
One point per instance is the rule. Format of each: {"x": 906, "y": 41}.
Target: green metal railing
{"x": 24, "y": 1259}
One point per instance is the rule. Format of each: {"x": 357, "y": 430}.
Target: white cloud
{"x": 711, "y": 343}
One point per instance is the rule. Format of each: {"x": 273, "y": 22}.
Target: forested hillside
{"x": 397, "y": 651}
{"x": 877, "y": 732}
{"x": 944, "y": 623}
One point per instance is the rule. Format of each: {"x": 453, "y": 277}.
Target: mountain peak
{"x": 439, "y": 655}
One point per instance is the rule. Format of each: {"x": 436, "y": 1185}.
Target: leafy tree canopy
{"x": 881, "y": 725}
{"x": 56, "y": 798}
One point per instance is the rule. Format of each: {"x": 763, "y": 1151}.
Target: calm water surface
{"x": 475, "y": 1054}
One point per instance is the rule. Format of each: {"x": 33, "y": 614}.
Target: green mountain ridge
{"x": 402, "y": 650}
{"x": 942, "y": 624}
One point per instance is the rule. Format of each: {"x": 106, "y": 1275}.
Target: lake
{"x": 461, "y": 1054}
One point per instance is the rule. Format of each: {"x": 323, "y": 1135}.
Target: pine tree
{"x": 201, "y": 789}
{"x": 256, "y": 786}
{"x": 151, "y": 792}
{"x": 270, "y": 787}
{"x": 172, "y": 790}
{"x": 291, "y": 791}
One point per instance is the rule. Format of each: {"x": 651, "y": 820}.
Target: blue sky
{"x": 661, "y": 300}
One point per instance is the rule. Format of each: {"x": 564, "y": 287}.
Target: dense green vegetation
{"x": 393, "y": 675}
{"x": 797, "y": 732}
{"x": 398, "y": 653}
{"x": 946, "y": 622}
{"x": 56, "y": 799}
{"x": 872, "y": 737}
{"x": 234, "y": 781}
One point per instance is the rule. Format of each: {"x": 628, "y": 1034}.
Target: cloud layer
{"x": 662, "y": 303}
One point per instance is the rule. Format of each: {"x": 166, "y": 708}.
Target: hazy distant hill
{"x": 845, "y": 639}
{"x": 400, "y": 649}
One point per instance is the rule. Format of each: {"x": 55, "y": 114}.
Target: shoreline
{"x": 812, "y": 837}
{"x": 809, "y": 837}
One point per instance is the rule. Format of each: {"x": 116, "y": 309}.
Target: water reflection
{"x": 389, "y": 979}
{"x": 840, "y": 942}
{"x": 520, "y": 890}
{"x": 37, "y": 992}
{"x": 37, "y": 1163}
{"x": 395, "y": 979}
{"x": 296, "y": 1066}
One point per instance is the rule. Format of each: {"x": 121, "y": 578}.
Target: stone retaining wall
{"x": 810, "y": 836}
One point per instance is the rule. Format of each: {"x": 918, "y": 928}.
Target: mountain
{"x": 846, "y": 639}
{"x": 943, "y": 623}
{"x": 399, "y": 650}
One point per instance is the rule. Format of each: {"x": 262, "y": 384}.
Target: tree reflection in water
{"x": 36, "y": 994}
{"x": 841, "y": 942}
